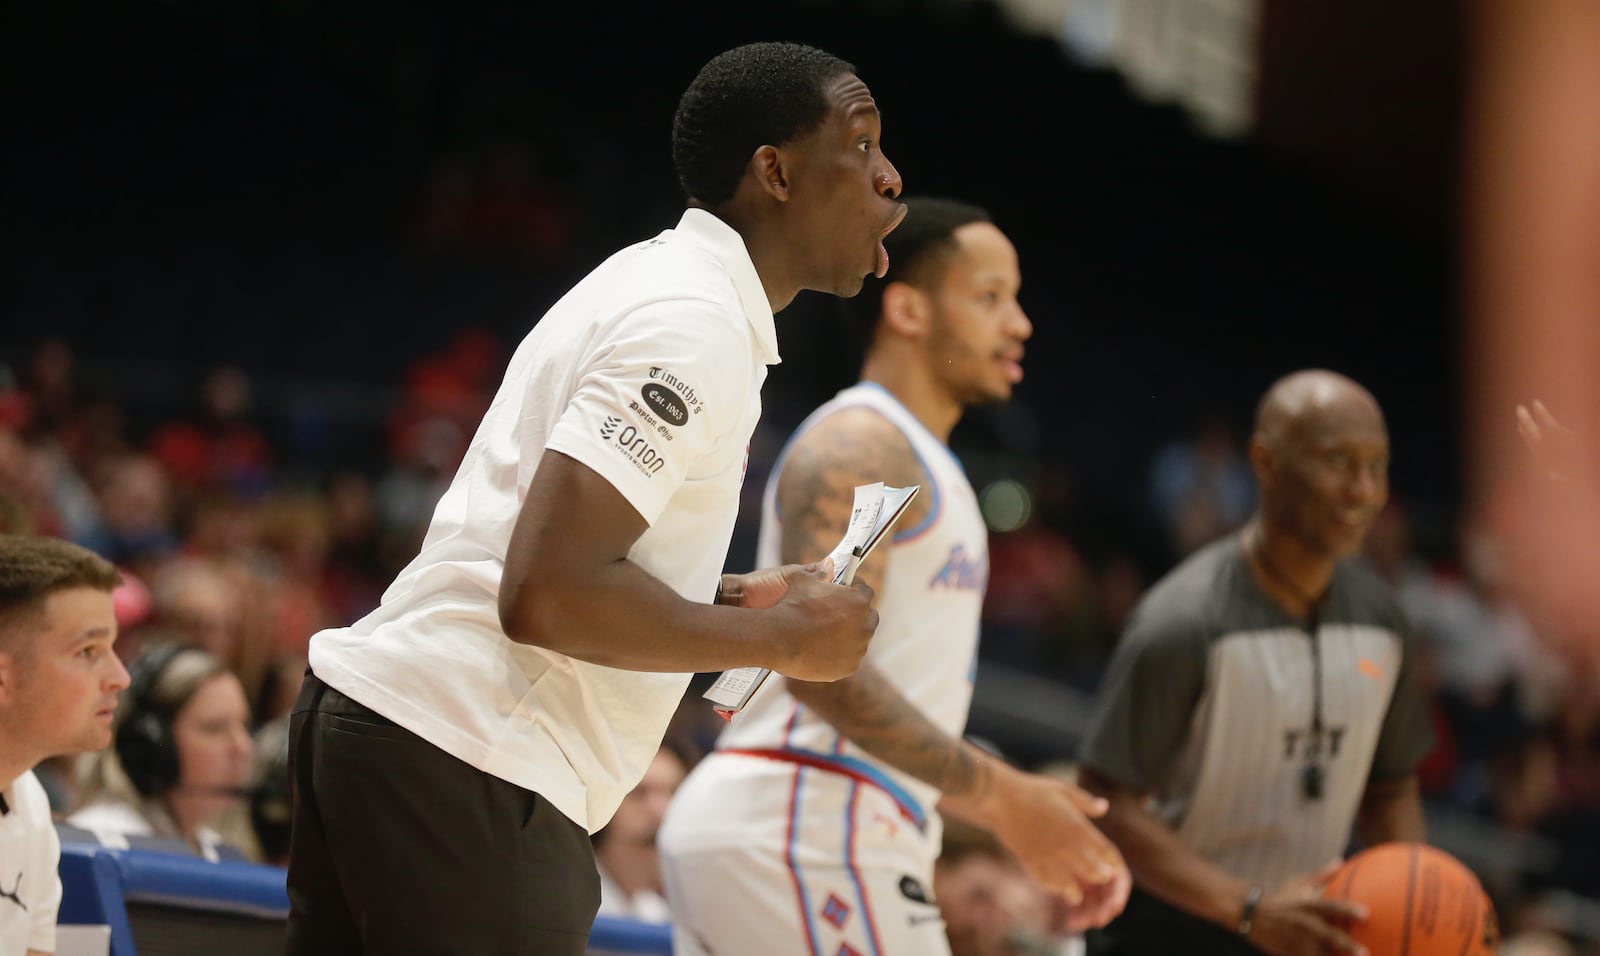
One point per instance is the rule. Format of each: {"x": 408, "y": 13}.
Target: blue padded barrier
{"x": 626, "y": 937}
{"x": 165, "y": 899}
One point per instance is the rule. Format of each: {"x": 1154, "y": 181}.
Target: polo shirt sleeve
{"x": 1147, "y": 699}
{"x": 1407, "y": 733}
{"x": 659, "y": 391}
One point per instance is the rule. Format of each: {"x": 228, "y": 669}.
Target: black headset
{"x": 145, "y": 744}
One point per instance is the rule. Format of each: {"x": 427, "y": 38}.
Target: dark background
{"x": 188, "y": 184}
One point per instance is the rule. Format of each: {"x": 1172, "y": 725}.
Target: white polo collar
{"x": 724, "y": 242}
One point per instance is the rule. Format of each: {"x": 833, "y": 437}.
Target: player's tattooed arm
{"x": 820, "y": 471}
{"x": 816, "y": 490}
{"x": 874, "y": 715}
{"x": 1044, "y": 821}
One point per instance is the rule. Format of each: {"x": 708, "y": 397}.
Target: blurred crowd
{"x": 220, "y": 547}
{"x": 228, "y": 547}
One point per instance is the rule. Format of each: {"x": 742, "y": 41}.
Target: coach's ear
{"x": 769, "y": 172}
{"x": 906, "y": 310}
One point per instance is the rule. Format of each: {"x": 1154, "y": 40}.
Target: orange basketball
{"x": 1420, "y": 901}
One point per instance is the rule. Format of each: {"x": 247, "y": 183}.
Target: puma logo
{"x": 13, "y": 896}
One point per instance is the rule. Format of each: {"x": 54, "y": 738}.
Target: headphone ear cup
{"x": 144, "y": 743}
{"x": 148, "y": 754}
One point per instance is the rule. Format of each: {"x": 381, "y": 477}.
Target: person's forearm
{"x": 619, "y": 615}
{"x": 1162, "y": 865}
{"x": 1391, "y": 810}
{"x": 567, "y": 585}
{"x": 875, "y": 716}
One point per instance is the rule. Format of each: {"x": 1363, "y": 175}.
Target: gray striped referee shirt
{"x": 1208, "y": 706}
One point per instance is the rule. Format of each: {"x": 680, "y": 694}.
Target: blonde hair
{"x": 100, "y": 775}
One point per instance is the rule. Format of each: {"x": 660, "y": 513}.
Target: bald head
{"x": 1303, "y": 405}
{"x": 1321, "y": 458}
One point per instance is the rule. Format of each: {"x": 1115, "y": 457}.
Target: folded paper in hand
{"x": 877, "y": 506}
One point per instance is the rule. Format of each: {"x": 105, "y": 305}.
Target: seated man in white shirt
{"x": 59, "y": 681}
{"x": 625, "y": 850}
{"x": 990, "y": 905}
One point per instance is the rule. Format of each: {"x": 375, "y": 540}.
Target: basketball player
{"x": 1261, "y": 702}
{"x": 812, "y": 827}
{"x": 59, "y": 681}
{"x": 452, "y": 751}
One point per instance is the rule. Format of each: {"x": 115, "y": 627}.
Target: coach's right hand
{"x": 821, "y": 630}
{"x": 1297, "y": 921}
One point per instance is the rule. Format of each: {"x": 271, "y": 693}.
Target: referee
{"x": 1261, "y": 703}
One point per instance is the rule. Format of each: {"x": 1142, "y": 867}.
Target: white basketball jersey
{"x": 927, "y": 638}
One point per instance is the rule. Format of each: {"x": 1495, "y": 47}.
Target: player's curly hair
{"x": 760, "y": 94}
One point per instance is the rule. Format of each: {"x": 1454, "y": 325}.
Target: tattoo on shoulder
{"x": 816, "y": 488}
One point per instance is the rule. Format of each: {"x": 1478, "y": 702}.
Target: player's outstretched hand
{"x": 1047, "y": 824}
{"x": 1101, "y": 904}
{"x": 1297, "y": 921}
{"x": 821, "y": 629}
{"x": 1549, "y": 442}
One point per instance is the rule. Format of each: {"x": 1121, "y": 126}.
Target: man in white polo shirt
{"x": 59, "y": 681}
{"x": 452, "y": 750}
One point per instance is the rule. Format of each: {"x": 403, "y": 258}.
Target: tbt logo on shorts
{"x": 626, "y": 439}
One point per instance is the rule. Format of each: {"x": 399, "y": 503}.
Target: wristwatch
{"x": 1247, "y": 916}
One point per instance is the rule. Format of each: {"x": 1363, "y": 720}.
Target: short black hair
{"x": 760, "y": 94}
{"x": 34, "y": 567}
{"x": 919, "y": 250}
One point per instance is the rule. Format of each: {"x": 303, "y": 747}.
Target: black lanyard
{"x": 1313, "y": 777}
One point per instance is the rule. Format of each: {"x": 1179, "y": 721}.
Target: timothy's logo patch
{"x": 691, "y": 402}
{"x": 669, "y": 406}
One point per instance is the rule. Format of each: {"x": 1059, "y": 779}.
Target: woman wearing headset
{"x": 181, "y": 754}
